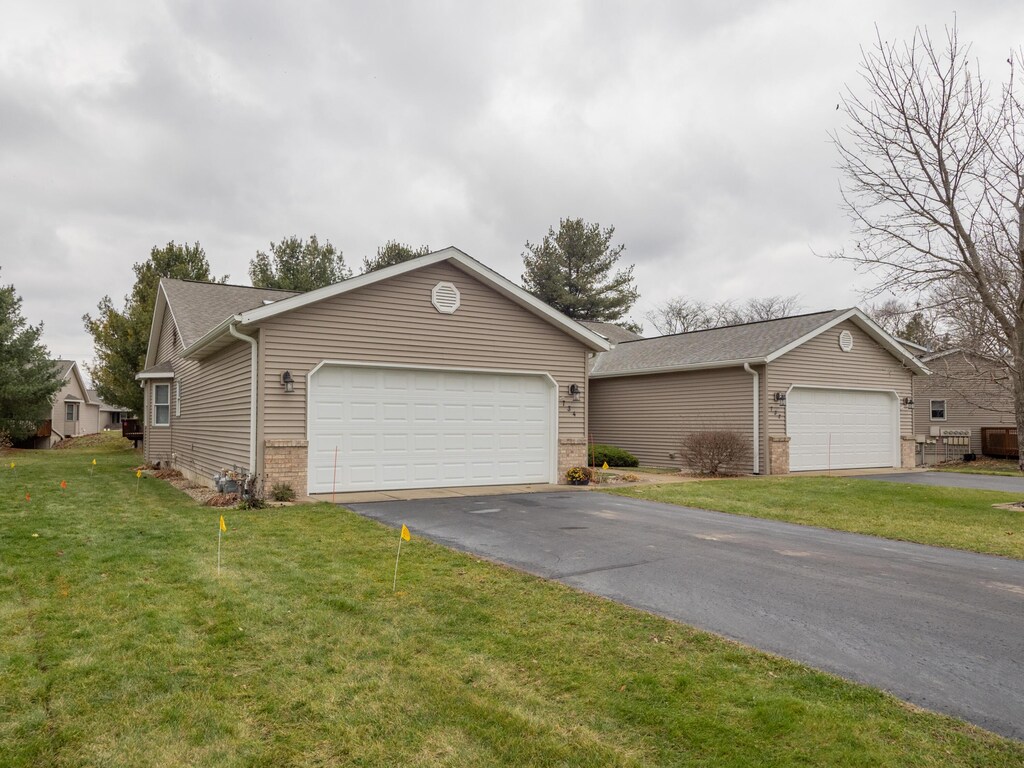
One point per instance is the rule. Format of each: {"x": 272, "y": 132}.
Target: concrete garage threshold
{"x": 415, "y": 494}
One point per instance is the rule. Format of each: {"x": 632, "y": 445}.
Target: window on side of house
{"x": 115, "y": 417}
{"x": 71, "y": 412}
{"x": 161, "y": 405}
{"x": 938, "y": 409}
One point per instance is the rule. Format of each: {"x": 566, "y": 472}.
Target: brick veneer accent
{"x": 778, "y": 455}
{"x": 572, "y": 452}
{"x": 285, "y": 461}
{"x": 908, "y": 452}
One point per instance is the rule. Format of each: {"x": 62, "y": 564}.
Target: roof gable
{"x": 759, "y": 342}
{"x": 213, "y": 338}
{"x": 65, "y": 368}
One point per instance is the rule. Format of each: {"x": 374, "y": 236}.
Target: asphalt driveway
{"x": 940, "y": 628}
{"x": 952, "y": 480}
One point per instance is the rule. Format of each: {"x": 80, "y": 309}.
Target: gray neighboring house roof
{"x": 63, "y": 367}
{"x": 616, "y": 334}
{"x": 759, "y": 342}
{"x": 95, "y": 399}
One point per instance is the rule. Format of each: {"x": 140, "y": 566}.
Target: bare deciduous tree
{"x": 682, "y": 315}
{"x": 933, "y": 160}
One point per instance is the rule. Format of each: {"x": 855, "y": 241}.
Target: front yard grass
{"x": 119, "y": 645}
{"x": 982, "y": 466}
{"x": 947, "y": 517}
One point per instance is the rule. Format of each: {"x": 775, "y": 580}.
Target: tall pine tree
{"x": 571, "y": 270}
{"x": 28, "y": 379}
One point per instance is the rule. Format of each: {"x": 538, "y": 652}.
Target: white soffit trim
{"x": 467, "y": 263}
{"x": 157, "y": 375}
{"x": 156, "y": 327}
{"x": 872, "y": 329}
{"x": 675, "y": 368}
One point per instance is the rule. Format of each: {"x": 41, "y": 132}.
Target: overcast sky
{"x": 698, "y": 129}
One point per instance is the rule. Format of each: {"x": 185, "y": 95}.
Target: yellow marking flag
{"x": 605, "y": 465}
{"x": 94, "y": 462}
{"x": 223, "y": 527}
{"x": 12, "y": 465}
{"x": 138, "y": 473}
{"x": 405, "y": 533}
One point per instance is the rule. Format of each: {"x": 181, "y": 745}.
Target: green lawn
{"x": 983, "y": 466}
{"x": 946, "y": 517}
{"x": 120, "y": 646}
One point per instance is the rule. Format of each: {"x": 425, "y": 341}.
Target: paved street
{"x": 940, "y": 628}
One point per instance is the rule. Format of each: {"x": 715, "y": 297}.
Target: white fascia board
{"x": 681, "y": 368}
{"x": 157, "y": 375}
{"x": 212, "y": 335}
{"x": 156, "y": 327}
{"x": 469, "y": 264}
{"x": 871, "y": 328}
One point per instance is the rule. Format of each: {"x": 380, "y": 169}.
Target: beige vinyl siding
{"x": 973, "y": 399}
{"x": 394, "y": 322}
{"x": 651, "y": 415}
{"x": 212, "y": 431}
{"x": 820, "y": 362}
{"x": 157, "y": 445}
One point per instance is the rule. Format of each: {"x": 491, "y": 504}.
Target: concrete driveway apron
{"x": 940, "y": 628}
{"x": 952, "y": 480}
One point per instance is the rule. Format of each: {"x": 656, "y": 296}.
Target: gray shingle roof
{"x": 165, "y": 367}
{"x": 63, "y": 366}
{"x": 200, "y": 307}
{"x": 616, "y": 334}
{"x": 751, "y": 341}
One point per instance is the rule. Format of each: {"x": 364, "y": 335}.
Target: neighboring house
{"x": 435, "y": 372}
{"x": 110, "y": 416}
{"x": 965, "y": 392}
{"x": 74, "y": 413}
{"x": 828, "y": 390}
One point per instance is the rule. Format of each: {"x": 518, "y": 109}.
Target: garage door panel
{"x": 406, "y": 428}
{"x": 841, "y": 428}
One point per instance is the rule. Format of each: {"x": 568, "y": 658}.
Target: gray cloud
{"x": 699, "y": 130}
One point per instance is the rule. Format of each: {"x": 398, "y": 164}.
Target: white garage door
{"x": 402, "y": 428}
{"x": 841, "y": 429}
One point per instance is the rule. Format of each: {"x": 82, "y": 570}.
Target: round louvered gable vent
{"x": 846, "y": 341}
{"x": 446, "y": 298}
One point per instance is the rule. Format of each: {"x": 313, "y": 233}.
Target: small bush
{"x": 616, "y": 457}
{"x": 282, "y": 492}
{"x": 709, "y": 450}
{"x": 578, "y": 474}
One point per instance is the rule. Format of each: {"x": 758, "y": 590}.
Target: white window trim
{"x": 74, "y": 411}
{"x": 931, "y": 410}
{"x": 177, "y": 398}
{"x": 157, "y": 404}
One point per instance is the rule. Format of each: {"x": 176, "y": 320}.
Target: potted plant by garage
{"x": 578, "y": 476}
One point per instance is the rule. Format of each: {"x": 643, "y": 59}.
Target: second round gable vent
{"x": 446, "y": 298}
{"x": 846, "y": 341}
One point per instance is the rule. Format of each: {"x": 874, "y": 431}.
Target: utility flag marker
{"x": 220, "y": 532}
{"x": 138, "y": 479}
{"x": 403, "y": 536}
{"x": 63, "y": 485}
{"x": 605, "y": 465}
{"x": 27, "y": 496}
{"x": 90, "y": 468}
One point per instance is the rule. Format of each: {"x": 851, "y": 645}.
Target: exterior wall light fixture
{"x": 780, "y": 397}
{"x": 576, "y": 392}
{"x": 288, "y": 381}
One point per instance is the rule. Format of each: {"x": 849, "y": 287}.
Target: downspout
{"x": 252, "y": 395}
{"x": 757, "y": 417}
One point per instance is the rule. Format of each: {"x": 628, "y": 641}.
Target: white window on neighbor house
{"x": 70, "y": 411}
{"x": 938, "y": 408}
{"x": 161, "y": 405}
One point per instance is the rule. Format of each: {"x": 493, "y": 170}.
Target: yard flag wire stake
{"x": 220, "y": 532}
{"x": 138, "y": 480}
{"x": 403, "y": 536}
{"x": 90, "y": 468}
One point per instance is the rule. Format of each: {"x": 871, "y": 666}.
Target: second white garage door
{"x": 397, "y": 428}
{"x": 841, "y": 429}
